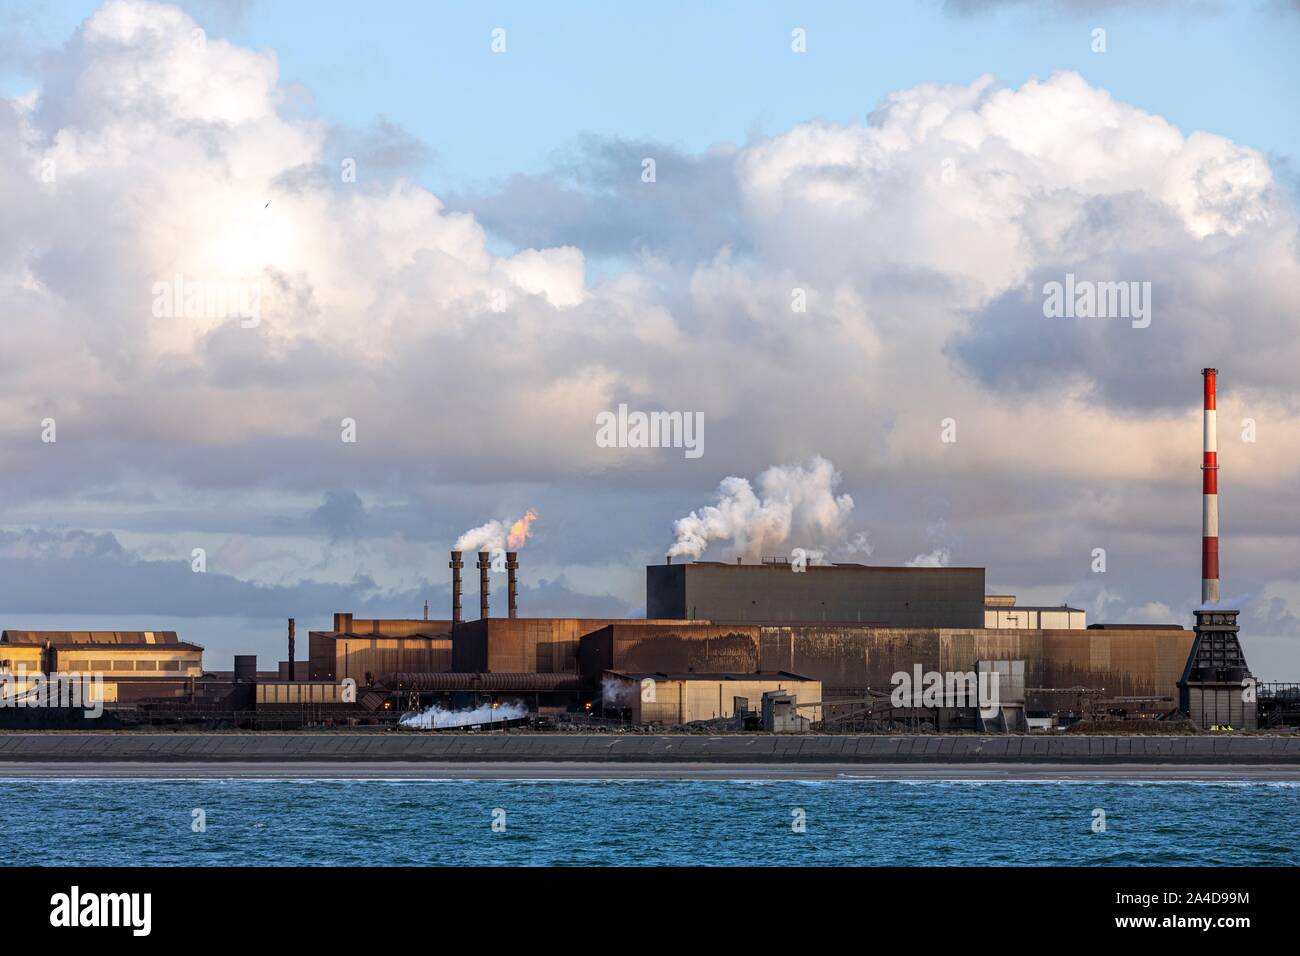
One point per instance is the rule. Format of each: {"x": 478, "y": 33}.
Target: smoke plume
{"x": 791, "y": 499}
{"x": 498, "y": 535}
{"x": 439, "y": 717}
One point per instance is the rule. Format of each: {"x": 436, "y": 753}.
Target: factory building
{"x": 1002, "y": 611}
{"x": 543, "y": 645}
{"x": 774, "y": 591}
{"x": 135, "y": 665}
{"x": 674, "y": 699}
{"x": 679, "y": 647}
{"x": 718, "y": 639}
{"x": 1136, "y": 661}
{"x": 362, "y": 648}
{"x": 1118, "y": 661}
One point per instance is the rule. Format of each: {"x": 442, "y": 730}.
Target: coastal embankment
{"x": 344, "y": 747}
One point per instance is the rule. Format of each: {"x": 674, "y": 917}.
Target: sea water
{"x": 247, "y": 822}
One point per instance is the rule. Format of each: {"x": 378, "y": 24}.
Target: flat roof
{"x": 1032, "y": 607}
{"x": 90, "y": 637}
{"x": 841, "y": 566}
{"x": 1136, "y": 627}
{"x": 340, "y": 635}
{"x": 95, "y": 648}
{"x": 695, "y": 675}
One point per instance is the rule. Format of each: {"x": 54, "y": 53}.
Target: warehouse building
{"x": 134, "y": 664}
{"x": 1001, "y": 610}
{"x": 774, "y": 592}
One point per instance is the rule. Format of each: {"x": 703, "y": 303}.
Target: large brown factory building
{"x": 850, "y": 627}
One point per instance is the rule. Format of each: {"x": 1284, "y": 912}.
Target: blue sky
{"x": 690, "y": 74}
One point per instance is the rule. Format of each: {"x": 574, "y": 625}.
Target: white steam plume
{"x": 790, "y": 499}
{"x": 439, "y": 717}
{"x": 497, "y": 535}
{"x": 617, "y": 693}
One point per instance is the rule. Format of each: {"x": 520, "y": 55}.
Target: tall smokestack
{"x": 512, "y": 583}
{"x": 290, "y": 648}
{"x": 455, "y": 564}
{"x": 1210, "y": 496}
{"x": 484, "y": 563}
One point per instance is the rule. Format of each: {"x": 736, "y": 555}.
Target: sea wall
{"x": 643, "y": 748}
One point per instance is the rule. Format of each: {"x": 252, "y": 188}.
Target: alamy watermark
{"x": 624, "y": 429}
{"x": 935, "y": 689}
{"x": 67, "y": 689}
{"x": 181, "y": 298}
{"x": 1084, "y": 299}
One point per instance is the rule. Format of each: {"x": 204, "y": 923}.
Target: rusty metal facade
{"x": 336, "y": 656}
{"x": 771, "y": 593}
{"x": 669, "y": 648}
{"x": 545, "y": 645}
{"x": 1119, "y": 662}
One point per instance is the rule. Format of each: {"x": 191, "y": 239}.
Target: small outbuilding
{"x": 683, "y": 698}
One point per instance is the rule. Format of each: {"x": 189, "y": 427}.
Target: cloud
{"x": 938, "y": 558}
{"x": 593, "y": 197}
{"x": 834, "y": 289}
{"x": 342, "y": 514}
{"x": 75, "y": 573}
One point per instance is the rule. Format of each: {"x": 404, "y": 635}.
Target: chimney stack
{"x": 290, "y": 648}
{"x": 1210, "y": 496}
{"x": 512, "y": 585}
{"x": 484, "y": 564}
{"x": 456, "y": 564}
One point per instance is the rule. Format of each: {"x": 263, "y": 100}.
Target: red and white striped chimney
{"x": 1210, "y": 497}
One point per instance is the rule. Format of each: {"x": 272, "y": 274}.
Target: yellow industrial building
{"x": 656, "y": 698}
{"x": 142, "y": 659}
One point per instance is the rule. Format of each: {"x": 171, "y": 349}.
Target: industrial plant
{"x": 773, "y": 645}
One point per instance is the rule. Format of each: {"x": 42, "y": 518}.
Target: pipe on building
{"x": 1210, "y": 495}
{"x": 484, "y": 564}
{"x": 512, "y": 583}
{"x": 291, "y": 626}
{"x": 456, "y": 564}
{"x": 487, "y": 682}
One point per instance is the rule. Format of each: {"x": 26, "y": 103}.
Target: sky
{"x": 228, "y": 228}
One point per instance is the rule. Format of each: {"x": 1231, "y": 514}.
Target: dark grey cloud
{"x": 342, "y": 514}
{"x": 1210, "y": 302}
{"x": 365, "y": 158}
{"x": 593, "y": 197}
{"x": 77, "y": 573}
